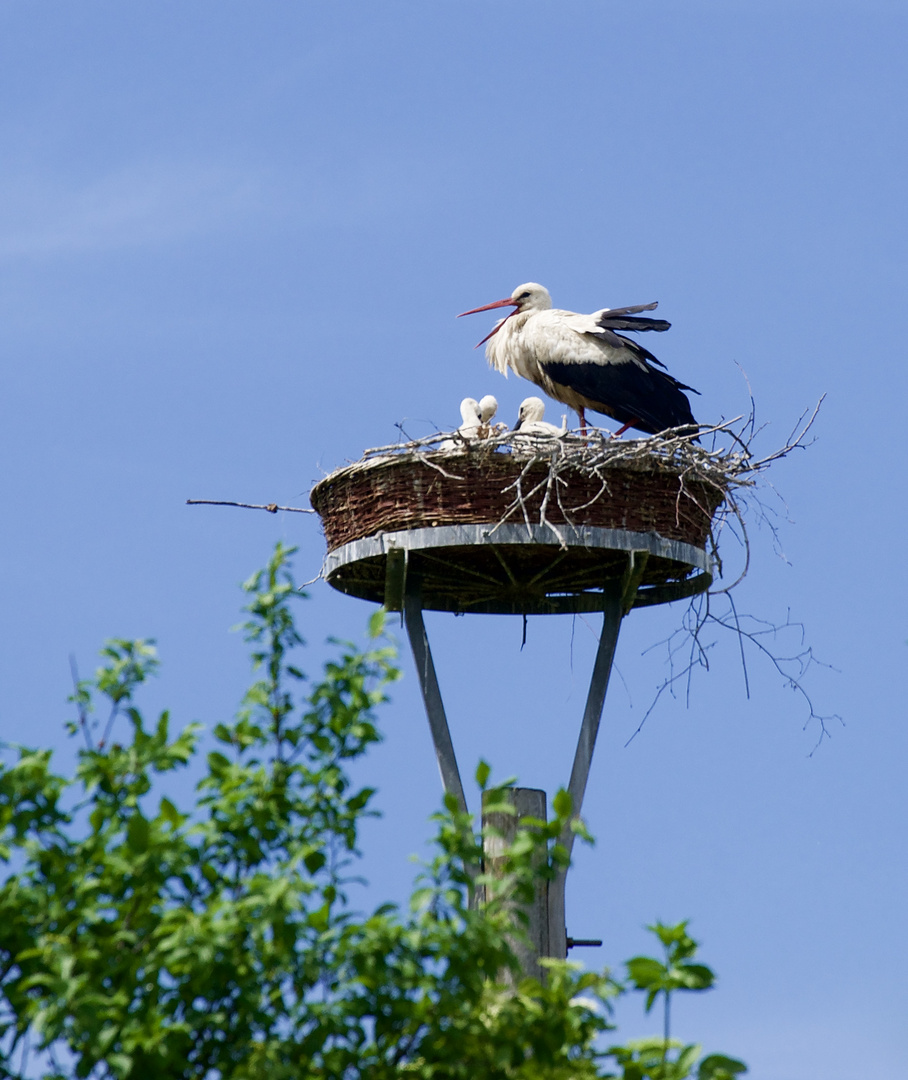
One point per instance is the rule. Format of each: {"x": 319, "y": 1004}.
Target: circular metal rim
{"x": 589, "y": 537}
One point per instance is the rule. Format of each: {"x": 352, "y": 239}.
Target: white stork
{"x": 530, "y": 422}
{"x": 469, "y": 429}
{"x": 470, "y": 416}
{"x": 582, "y": 362}
{"x": 488, "y": 406}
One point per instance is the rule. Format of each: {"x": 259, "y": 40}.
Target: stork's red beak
{"x": 488, "y": 307}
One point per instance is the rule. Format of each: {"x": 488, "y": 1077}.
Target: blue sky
{"x": 233, "y": 240}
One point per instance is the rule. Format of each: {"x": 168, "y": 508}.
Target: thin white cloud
{"x": 153, "y": 204}
{"x": 136, "y": 206}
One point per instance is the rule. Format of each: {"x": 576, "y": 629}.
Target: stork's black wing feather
{"x": 632, "y": 322}
{"x": 622, "y": 319}
{"x": 635, "y": 309}
{"x": 617, "y": 318}
{"x": 629, "y": 392}
{"x": 642, "y": 353}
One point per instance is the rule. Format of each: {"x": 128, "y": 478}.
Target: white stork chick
{"x": 488, "y": 406}
{"x": 470, "y": 427}
{"x": 530, "y": 422}
{"x": 582, "y": 362}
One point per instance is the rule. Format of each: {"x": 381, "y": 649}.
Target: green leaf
{"x": 675, "y": 936}
{"x": 695, "y": 976}
{"x": 319, "y": 918}
{"x": 645, "y": 971}
{"x": 137, "y": 832}
{"x": 562, "y": 803}
{"x": 377, "y": 623}
{"x": 121, "y": 1064}
{"x": 686, "y": 1059}
{"x": 217, "y": 762}
{"x": 719, "y": 1067}
{"x": 483, "y": 772}
{"x": 314, "y": 861}
{"x": 358, "y": 801}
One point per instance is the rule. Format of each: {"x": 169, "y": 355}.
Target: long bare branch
{"x": 272, "y": 508}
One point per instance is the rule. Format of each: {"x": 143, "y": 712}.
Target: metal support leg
{"x": 396, "y": 580}
{"x": 614, "y": 603}
{"x": 431, "y": 695}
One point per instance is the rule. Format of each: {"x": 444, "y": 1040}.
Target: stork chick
{"x": 530, "y": 422}
{"x": 471, "y": 422}
{"x": 488, "y": 406}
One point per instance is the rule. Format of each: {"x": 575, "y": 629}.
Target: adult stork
{"x": 581, "y": 361}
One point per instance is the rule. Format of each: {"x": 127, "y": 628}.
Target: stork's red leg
{"x": 624, "y": 427}
{"x": 582, "y": 421}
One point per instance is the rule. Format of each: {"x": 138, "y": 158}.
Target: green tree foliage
{"x": 666, "y": 1058}
{"x": 144, "y": 941}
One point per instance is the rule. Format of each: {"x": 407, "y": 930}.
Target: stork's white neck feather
{"x": 500, "y": 351}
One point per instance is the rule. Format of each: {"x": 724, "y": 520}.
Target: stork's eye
{"x": 524, "y": 296}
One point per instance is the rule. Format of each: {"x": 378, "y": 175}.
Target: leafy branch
{"x": 143, "y": 940}
{"x": 651, "y": 1059}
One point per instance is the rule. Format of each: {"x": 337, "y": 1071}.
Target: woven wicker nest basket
{"x": 516, "y": 532}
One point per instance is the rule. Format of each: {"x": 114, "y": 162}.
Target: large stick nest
{"x": 667, "y": 483}
{"x": 667, "y": 486}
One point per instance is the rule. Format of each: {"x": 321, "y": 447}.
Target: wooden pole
{"x": 527, "y": 802}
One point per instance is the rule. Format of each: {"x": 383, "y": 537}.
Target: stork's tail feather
{"x": 680, "y": 385}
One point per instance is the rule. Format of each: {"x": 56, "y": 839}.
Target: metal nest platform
{"x": 545, "y": 527}
{"x": 516, "y": 569}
